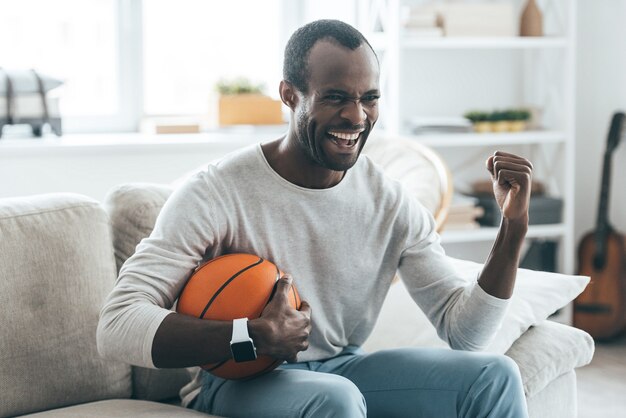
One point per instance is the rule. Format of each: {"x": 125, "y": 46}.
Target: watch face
{"x": 243, "y": 351}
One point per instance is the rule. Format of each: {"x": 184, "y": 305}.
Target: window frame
{"x": 129, "y": 75}
{"x": 130, "y": 106}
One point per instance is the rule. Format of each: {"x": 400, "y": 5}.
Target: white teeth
{"x": 346, "y": 136}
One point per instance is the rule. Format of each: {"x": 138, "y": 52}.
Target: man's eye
{"x": 334, "y": 98}
{"x": 371, "y": 98}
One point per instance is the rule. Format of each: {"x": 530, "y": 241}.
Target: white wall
{"x": 601, "y": 90}
{"x": 65, "y": 166}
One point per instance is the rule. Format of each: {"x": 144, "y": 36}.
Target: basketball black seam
{"x": 271, "y": 296}
{"x": 226, "y": 283}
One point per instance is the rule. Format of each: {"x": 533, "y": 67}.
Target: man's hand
{"x": 282, "y": 331}
{"x": 511, "y": 177}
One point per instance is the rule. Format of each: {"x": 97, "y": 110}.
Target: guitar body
{"x": 601, "y": 308}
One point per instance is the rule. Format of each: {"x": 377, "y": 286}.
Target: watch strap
{"x": 240, "y": 330}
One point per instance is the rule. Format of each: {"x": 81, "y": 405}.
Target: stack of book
{"x": 170, "y": 125}
{"x": 422, "y": 22}
{"x": 478, "y": 19}
{"x": 439, "y": 125}
{"x": 463, "y": 213}
{"x": 461, "y": 19}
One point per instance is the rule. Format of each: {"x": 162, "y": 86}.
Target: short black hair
{"x": 295, "y": 68}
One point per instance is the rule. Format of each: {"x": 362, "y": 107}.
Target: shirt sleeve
{"x": 463, "y": 314}
{"x": 152, "y": 278}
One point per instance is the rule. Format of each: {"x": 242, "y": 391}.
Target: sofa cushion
{"x": 133, "y": 209}
{"x": 121, "y": 408}
{"x": 537, "y": 295}
{"x": 548, "y": 350}
{"x": 57, "y": 267}
{"x": 557, "y": 400}
{"x": 158, "y": 384}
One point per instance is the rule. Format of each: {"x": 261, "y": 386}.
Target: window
{"x": 123, "y": 59}
{"x": 190, "y": 44}
{"x": 73, "y": 40}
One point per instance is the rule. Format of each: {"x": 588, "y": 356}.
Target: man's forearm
{"x": 184, "y": 341}
{"x": 498, "y": 275}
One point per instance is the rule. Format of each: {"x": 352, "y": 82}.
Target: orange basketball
{"x": 229, "y": 287}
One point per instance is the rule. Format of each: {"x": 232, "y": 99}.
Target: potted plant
{"x": 243, "y": 103}
{"x": 509, "y": 120}
{"x": 480, "y": 121}
{"x": 499, "y": 121}
{"x": 518, "y": 119}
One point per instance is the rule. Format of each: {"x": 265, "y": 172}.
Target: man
{"x": 341, "y": 229}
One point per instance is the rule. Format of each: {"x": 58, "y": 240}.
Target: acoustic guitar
{"x": 601, "y": 308}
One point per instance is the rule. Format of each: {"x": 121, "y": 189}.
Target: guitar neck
{"x": 602, "y": 221}
{"x": 602, "y": 224}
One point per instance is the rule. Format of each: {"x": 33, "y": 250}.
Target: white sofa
{"x": 59, "y": 256}
{"x": 547, "y": 353}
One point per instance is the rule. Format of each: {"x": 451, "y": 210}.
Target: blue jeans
{"x": 405, "y": 382}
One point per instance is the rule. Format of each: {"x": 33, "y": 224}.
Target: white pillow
{"x": 537, "y": 295}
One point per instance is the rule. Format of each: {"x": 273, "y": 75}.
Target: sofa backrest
{"x": 56, "y": 268}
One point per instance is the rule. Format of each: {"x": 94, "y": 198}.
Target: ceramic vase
{"x": 531, "y": 23}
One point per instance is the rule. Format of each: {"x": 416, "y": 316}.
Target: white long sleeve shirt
{"x": 342, "y": 245}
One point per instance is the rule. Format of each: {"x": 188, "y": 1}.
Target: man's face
{"x": 336, "y": 115}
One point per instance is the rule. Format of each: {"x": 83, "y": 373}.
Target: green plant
{"x": 476, "y": 116}
{"x": 520, "y": 114}
{"x": 498, "y": 116}
{"x": 240, "y": 85}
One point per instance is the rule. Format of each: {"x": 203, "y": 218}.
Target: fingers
{"x": 305, "y": 308}
{"x": 291, "y": 327}
{"x": 501, "y": 160}
{"x": 513, "y": 179}
{"x": 489, "y": 165}
{"x": 284, "y": 283}
{"x": 282, "y": 289}
{"x": 505, "y": 171}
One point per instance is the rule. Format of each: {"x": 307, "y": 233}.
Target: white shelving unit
{"x": 424, "y": 77}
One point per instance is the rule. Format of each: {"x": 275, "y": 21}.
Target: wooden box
{"x": 249, "y": 109}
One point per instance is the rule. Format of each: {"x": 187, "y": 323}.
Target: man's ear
{"x": 288, "y": 94}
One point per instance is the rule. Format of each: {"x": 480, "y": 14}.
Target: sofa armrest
{"x": 548, "y": 350}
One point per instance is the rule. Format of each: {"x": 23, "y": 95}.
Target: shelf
{"x": 380, "y": 42}
{"x": 484, "y": 43}
{"x": 218, "y": 140}
{"x": 489, "y": 233}
{"x": 488, "y": 139}
{"x": 533, "y": 70}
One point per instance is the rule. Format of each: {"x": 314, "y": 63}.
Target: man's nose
{"x": 354, "y": 112}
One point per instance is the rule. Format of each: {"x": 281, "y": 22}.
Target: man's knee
{"x": 502, "y": 368}
{"x": 336, "y": 397}
{"x": 497, "y": 390}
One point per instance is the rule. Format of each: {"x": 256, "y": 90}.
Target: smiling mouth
{"x": 345, "y": 139}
